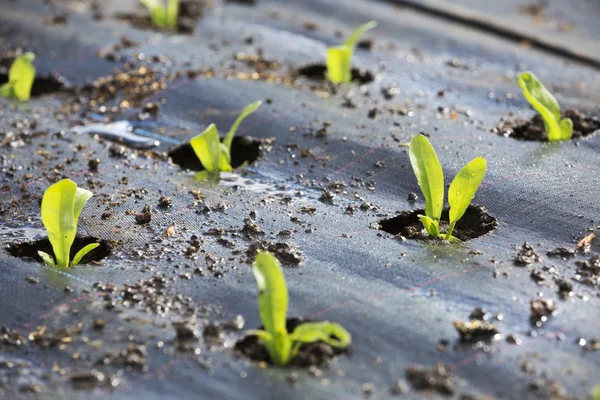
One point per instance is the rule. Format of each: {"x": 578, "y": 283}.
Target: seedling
{"x": 20, "y": 78}
{"x": 546, "y": 104}
{"x": 215, "y": 156}
{"x": 430, "y": 176}
{"x": 61, "y": 205}
{"x": 272, "y": 305}
{"x": 163, "y": 15}
{"x": 339, "y": 58}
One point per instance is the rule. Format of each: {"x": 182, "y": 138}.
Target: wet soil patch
{"x": 533, "y": 129}
{"x": 190, "y": 12}
{"x": 29, "y": 250}
{"x": 317, "y": 354}
{"x": 318, "y": 72}
{"x": 43, "y": 84}
{"x": 475, "y": 223}
{"x": 244, "y": 149}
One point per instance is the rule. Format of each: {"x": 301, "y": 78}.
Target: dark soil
{"x": 317, "y": 354}
{"x": 475, "y": 223}
{"x": 244, "y": 149}
{"x": 317, "y": 72}
{"x": 439, "y": 378}
{"x": 190, "y": 11}
{"x": 28, "y": 250}
{"x": 533, "y": 129}
{"x": 41, "y": 85}
{"x": 475, "y": 330}
{"x": 287, "y": 254}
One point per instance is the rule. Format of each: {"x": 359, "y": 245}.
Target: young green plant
{"x": 546, "y": 104}
{"x": 214, "y": 155}
{"x": 281, "y": 345}
{"x": 61, "y": 205}
{"x": 339, "y": 58}
{"x": 163, "y": 15}
{"x": 428, "y": 170}
{"x": 20, "y": 78}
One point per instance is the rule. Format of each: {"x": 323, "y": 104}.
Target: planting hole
{"x": 190, "y": 11}
{"x": 244, "y": 150}
{"x": 475, "y": 223}
{"x": 29, "y": 250}
{"x": 533, "y": 129}
{"x": 317, "y": 72}
{"x": 318, "y": 354}
{"x": 41, "y": 85}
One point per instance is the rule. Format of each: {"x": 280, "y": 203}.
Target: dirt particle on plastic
{"x": 439, "y": 378}
{"x": 527, "y": 255}
{"x": 145, "y": 216}
{"x": 475, "y": 330}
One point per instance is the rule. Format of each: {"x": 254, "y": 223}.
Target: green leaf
{"x": 463, "y": 189}
{"x": 431, "y": 226}
{"x": 595, "y": 393}
{"x": 329, "y": 332}
{"x": 249, "y": 109}
{"x": 20, "y": 78}
{"x": 158, "y": 12}
{"x": 428, "y": 170}
{"x": 61, "y": 206}
{"x": 47, "y": 258}
{"x": 272, "y": 305}
{"x": 338, "y": 61}
{"x": 81, "y": 253}
{"x": 546, "y": 104}
{"x": 273, "y": 294}
{"x": 172, "y": 13}
{"x": 209, "y": 150}
{"x": 339, "y": 58}
{"x": 361, "y": 30}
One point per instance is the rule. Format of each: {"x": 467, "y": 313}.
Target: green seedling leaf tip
{"x": 273, "y": 304}
{"x": 547, "y": 106}
{"x": 163, "y": 13}
{"x": 214, "y": 155}
{"x": 339, "y": 58}
{"x": 428, "y": 170}
{"x": 61, "y": 207}
{"x": 20, "y": 78}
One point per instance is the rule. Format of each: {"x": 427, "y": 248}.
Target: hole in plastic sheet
{"x": 317, "y": 72}
{"x": 244, "y": 149}
{"x": 29, "y": 250}
{"x": 41, "y": 85}
{"x": 190, "y": 11}
{"x": 318, "y": 354}
{"x": 475, "y": 223}
{"x": 533, "y": 129}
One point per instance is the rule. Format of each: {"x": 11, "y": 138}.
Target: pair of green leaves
{"x": 339, "y": 58}
{"x": 163, "y": 16}
{"x": 214, "y": 155}
{"x": 272, "y": 305}
{"x": 61, "y": 206}
{"x": 546, "y": 104}
{"x": 430, "y": 176}
{"x": 20, "y": 78}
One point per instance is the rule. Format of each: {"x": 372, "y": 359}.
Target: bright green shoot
{"x": 61, "y": 205}
{"x": 20, "y": 78}
{"x": 214, "y": 155}
{"x": 272, "y": 305}
{"x": 339, "y": 58}
{"x": 163, "y": 15}
{"x": 430, "y": 177}
{"x": 546, "y": 104}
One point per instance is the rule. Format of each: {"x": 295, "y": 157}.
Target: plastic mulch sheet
{"x": 158, "y": 313}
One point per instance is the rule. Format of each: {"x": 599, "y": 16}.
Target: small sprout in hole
{"x": 215, "y": 156}
{"x": 163, "y": 15}
{"x": 430, "y": 176}
{"x": 339, "y": 58}
{"x": 20, "y": 78}
{"x": 546, "y": 104}
{"x": 61, "y": 205}
{"x": 281, "y": 345}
